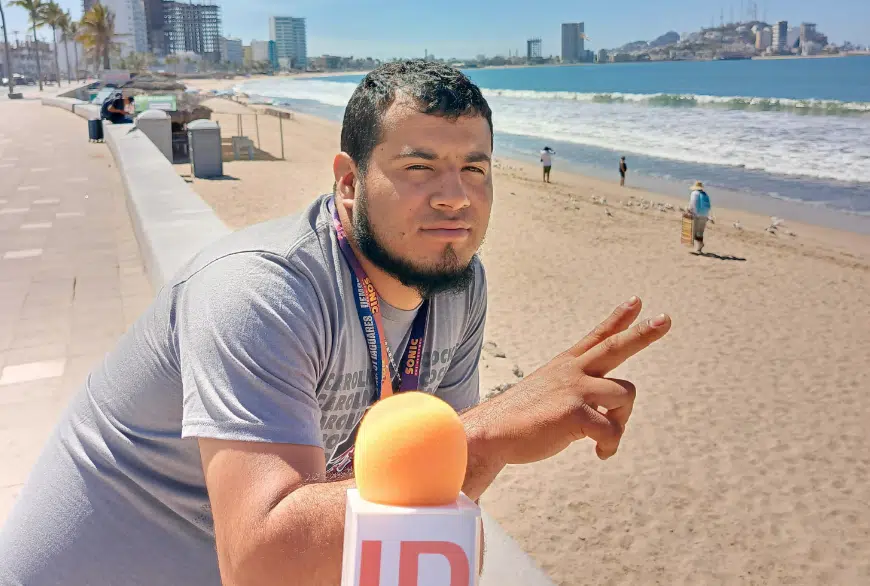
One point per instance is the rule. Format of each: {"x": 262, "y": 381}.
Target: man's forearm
{"x": 304, "y": 533}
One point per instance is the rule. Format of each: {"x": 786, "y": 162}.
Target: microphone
{"x": 407, "y": 522}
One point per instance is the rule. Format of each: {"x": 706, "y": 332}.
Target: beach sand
{"x": 746, "y": 460}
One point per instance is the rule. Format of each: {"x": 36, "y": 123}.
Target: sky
{"x": 466, "y": 28}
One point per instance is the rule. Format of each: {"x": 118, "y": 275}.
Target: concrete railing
{"x": 172, "y": 223}
{"x": 78, "y": 107}
{"x": 58, "y": 102}
{"x": 86, "y": 111}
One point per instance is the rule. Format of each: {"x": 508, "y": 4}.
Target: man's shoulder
{"x": 299, "y": 245}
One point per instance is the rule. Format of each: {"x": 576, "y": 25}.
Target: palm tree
{"x": 98, "y": 28}
{"x": 63, "y": 25}
{"x": 8, "y": 56}
{"x": 72, "y": 32}
{"x": 52, "y": 14}
{"x": 34, "y": 8}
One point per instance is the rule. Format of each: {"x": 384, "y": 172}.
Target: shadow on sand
{"x": 718, "y": 256}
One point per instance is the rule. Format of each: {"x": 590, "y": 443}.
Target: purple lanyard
{"x": 369, "y": 312}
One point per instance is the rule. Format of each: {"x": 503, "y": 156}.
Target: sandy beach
{"x": 746, "y": 460}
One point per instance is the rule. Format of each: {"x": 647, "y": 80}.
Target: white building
{"x": 129, "y": 25}
{"x": 793, "y": 36}
{"x": 763, "y": 38}
{"x": 290, "y": 42}
{"x": 231, "y": 50}
{"x": 259, "y": 50}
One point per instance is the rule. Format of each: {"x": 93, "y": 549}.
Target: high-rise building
{"x": 573, "y": 46}
{"x": 231, "y": 51}
{"x": 533, "y": 49}
{"x": 763, "y": 38}
{"x": 265, "y": 51}
{"x": 808, "y": 33}
{"x": 194, "y": 28}
{"x": 779, "y": 36}
{"x": 129, "y": 24}
{"x": 154, "y": 26}
{"x": 290, "y": 42}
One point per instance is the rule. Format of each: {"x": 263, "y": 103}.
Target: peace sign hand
{"x": 570, "y": 398}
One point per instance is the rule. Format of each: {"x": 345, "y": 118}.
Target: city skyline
{"x": 372, "y": 28}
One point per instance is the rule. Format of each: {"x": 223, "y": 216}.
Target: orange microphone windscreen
{"x": 411, "y": 451}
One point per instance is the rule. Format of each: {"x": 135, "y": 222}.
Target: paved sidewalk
{"x": 71, "y": 278}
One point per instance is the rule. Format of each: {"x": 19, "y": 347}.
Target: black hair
{"x": 435, "y": 88}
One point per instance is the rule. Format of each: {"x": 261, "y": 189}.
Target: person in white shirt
{"x": 547, "y": 162}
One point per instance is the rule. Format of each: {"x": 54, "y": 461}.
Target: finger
{"x": 609, "y": 393}
{"x": 615, "y": 350}
{"x": 618, "y": 321}
{"x": 604, "y": 432}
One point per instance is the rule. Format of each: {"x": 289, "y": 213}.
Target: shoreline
{"x": 757, "y": 200}
{"x": 572, "y": 186}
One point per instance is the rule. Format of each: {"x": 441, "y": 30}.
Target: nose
{"x": 451, "y": 196}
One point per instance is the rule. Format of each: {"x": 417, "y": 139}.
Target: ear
{"x": 346, "y": 175}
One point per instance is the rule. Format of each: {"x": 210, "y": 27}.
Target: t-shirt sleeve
{"x": 249, "y": 334}
{"x": 460, "y": 386}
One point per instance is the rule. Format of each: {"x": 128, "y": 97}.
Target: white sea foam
{"x": 772, "y": 139}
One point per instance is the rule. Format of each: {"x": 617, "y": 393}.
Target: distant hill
{"x": 668, "y": 38}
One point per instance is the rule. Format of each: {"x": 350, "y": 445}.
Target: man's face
{"x": 424, "y": 202}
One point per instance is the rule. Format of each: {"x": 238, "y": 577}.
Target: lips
{"x": 448, "y": 225}
{"x": 447, "y": 231}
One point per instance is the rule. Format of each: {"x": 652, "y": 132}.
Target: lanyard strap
{"x": 369, "y": 311}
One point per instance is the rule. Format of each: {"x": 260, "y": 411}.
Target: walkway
{"x": 71, "y": 278}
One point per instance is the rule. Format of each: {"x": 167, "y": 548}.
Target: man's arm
{"x": 276, "y": 518}
{"x": 275, "y": 515}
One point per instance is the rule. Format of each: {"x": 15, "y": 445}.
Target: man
{"x": 117, "y": 109}
{"x": 623, "y": 169}
{"x": 699, "y": 209}
{"x": 547, "y": 162}
{"x": 212, "y": 445}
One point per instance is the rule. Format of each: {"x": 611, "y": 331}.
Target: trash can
{"x": 156, "y": 126}
{"x": 95, "y": 130}
{"x": 206, "y": 158}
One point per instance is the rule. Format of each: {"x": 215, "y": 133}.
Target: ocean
{"x": 786, "y": 137}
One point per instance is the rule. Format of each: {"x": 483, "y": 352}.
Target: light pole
{"x": 8, "y": 54}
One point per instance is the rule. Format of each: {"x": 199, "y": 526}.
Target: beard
{"x": 448, "y": 275}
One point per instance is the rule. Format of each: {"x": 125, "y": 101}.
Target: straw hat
{"x": 698, "y": 185}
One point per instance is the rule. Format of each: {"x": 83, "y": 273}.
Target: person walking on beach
{"x": 214, "y": 444}
{"x": 623, "y": 168}
{"x": 547, "y": 162}
{"x": 699, "y": 208}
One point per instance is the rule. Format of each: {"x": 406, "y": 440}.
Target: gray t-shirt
{"x": 256, "y": 339}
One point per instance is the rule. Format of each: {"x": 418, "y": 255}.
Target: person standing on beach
{"x": 547, "y": 162}
{"x": 623, "y": 168}
{"x": 214, "y": 444}
{"x": 699, "y": 208}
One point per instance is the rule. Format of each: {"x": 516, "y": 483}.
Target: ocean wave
{"x": 805, "y": 106}
{"x": 813, "y": 147}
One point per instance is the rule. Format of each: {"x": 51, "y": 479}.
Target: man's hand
{"x": 567, "y": 399}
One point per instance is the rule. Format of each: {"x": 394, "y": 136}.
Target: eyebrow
{"x": 412, "y": 153}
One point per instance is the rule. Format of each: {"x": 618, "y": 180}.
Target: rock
{"x": 492, "y": 349}
{"x": 518, "y": 372}
{"x": 498, "y": 390}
